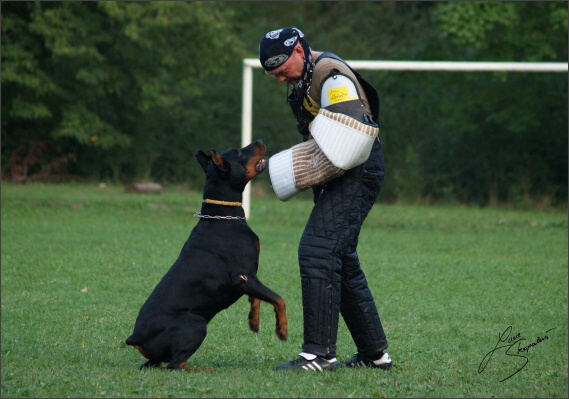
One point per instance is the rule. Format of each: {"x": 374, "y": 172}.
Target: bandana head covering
{"x": 276, "y": 47}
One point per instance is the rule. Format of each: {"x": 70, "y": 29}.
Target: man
{"x": 341, "y": 159}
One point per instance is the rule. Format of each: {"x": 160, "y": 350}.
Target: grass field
{"x": 79, "y": 260}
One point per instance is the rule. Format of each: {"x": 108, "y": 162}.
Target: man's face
{"x": 291, "y": 70}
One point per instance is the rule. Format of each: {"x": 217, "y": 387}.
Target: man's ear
{"x": 203, "y": 159}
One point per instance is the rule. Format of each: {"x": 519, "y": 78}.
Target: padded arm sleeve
{"x": 299, "y": 168}
{"x": 340, "y": 142}
{"x": 345, "y": 141}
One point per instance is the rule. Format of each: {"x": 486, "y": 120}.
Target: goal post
{"x": 450, "y": 66}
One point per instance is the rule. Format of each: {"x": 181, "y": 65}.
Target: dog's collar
{"x": 199, "y": 215}
{"x": 217, "y": 202}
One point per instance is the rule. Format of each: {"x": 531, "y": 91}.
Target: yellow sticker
{"x": 340, "y": 94}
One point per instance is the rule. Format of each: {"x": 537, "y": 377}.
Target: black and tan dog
{"x": 217, "y": 266}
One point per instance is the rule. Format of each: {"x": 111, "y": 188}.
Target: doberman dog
{"x": 217, "y": 266}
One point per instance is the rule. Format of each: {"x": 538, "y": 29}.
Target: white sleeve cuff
{"x": 282, "y": 175}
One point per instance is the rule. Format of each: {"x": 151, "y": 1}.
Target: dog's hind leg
{"x": 186, "y": 337}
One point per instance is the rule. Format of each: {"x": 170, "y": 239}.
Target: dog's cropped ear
{"x": 203, "y": 159}
{"x": 219, "y": 161}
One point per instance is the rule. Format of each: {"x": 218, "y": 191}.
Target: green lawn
{"x": 79, "y": 260}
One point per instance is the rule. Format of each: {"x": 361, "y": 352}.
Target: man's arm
{"x": 343, "y": 135}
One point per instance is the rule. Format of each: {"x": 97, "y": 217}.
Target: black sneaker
{"x": 318, "y": 363}
{"x": 358, "y": 360}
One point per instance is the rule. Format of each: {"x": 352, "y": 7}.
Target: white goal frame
{"x": 250, "y": 63}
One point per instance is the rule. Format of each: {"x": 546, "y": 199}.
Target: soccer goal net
{"x": 456, "y": 66}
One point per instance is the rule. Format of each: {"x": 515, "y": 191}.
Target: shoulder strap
{"x": 370, "y": 91}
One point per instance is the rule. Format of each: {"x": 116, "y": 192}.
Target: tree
{"x": 501, "y": 143}
{"x": 112, "y": 81}
{"x": 132, "y": 89}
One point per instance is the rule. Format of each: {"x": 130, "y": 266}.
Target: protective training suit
{"x": 332, "y": 279}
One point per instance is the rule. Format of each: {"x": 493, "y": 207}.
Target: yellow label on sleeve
{"x": 340, "y": 94}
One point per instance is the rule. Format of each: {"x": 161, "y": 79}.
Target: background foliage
{"x": 128, "y": 91}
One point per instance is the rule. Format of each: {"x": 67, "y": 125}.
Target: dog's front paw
{"x": 282, "y": 320}
{"x": 282, "y": 331}
{"x": 254, "y": 314}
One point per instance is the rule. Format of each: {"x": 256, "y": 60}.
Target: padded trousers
{"x": 332, "y": 279}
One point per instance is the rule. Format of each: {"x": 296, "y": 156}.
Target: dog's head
{"x": 235, "y": 166}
